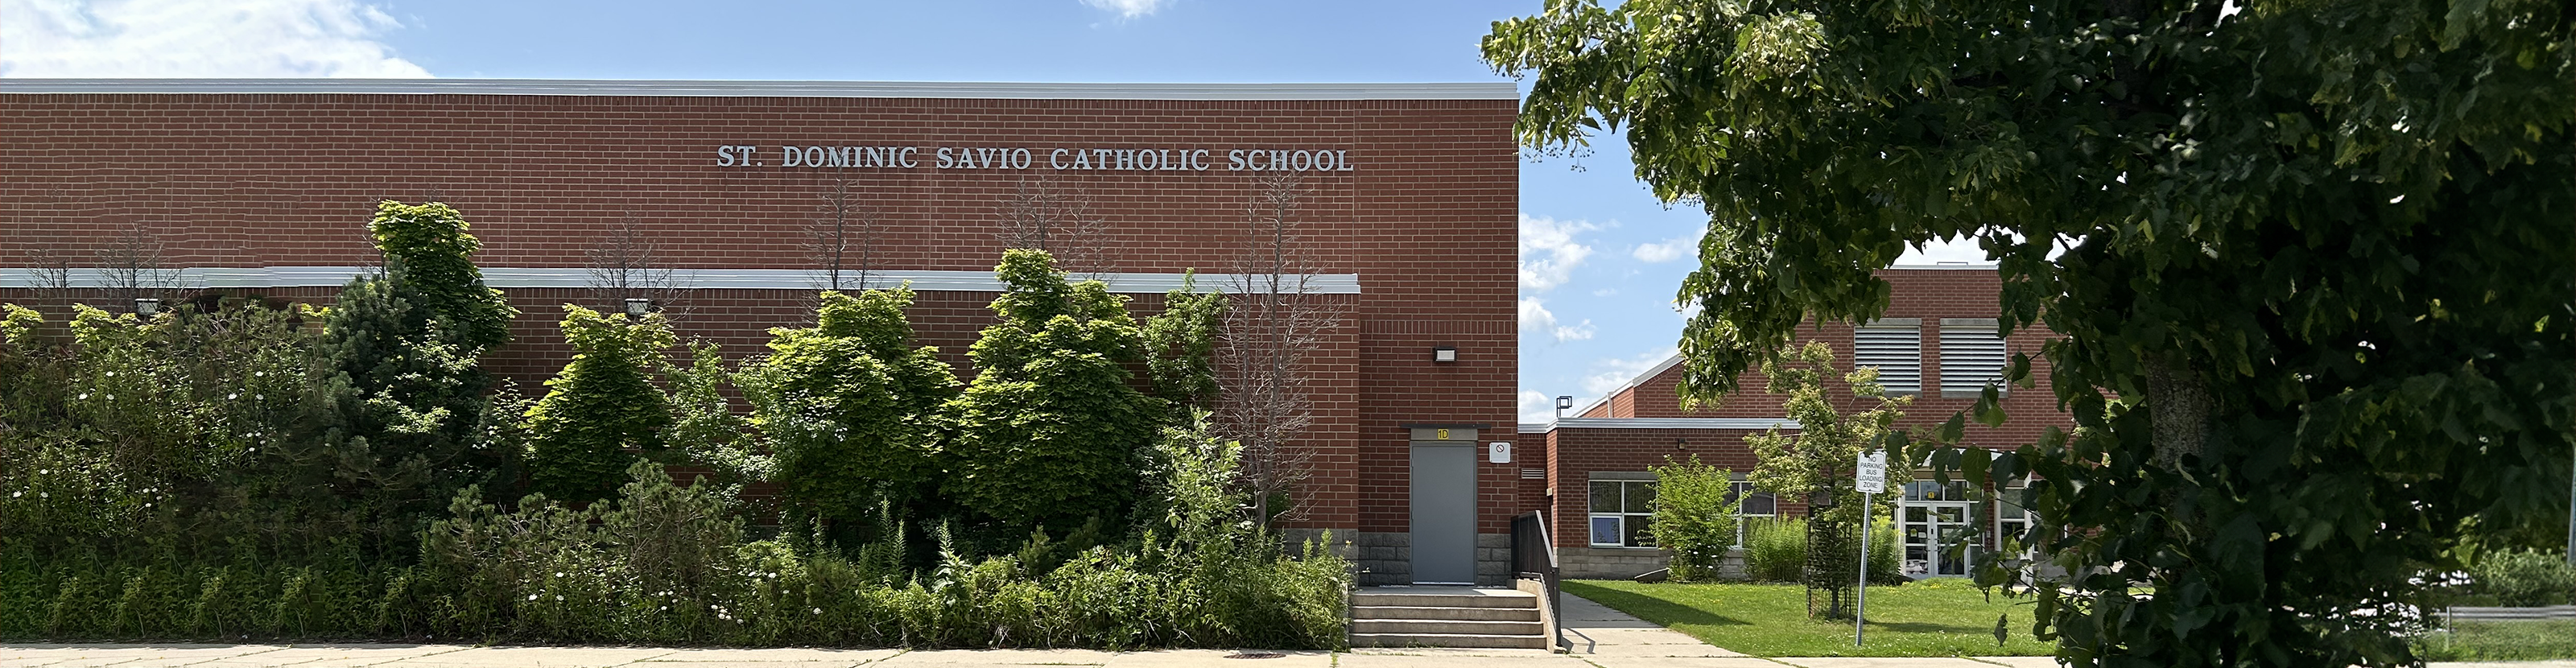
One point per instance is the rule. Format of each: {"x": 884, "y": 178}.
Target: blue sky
{"x": 1600, "y": 257}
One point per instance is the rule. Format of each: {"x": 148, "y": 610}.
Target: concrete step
{"x": 1445, "y": 627}
{"x": 1455, "y": 598}
{"x": 1448, "y": 640}
{"x": 1529, "y": 614}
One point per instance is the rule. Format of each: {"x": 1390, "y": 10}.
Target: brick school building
{"x": 1407, "y": 196}
{"x": 1406, "y": 208}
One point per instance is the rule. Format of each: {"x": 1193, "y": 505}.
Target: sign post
{"x": 1871, "y": 477}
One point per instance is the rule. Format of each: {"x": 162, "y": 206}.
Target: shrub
{"x": 437, "y": 273}
{"x": 662, "y": 564}
{"x": 1182, "y": 340}
{"x": 2524, "y": 577}
{"x": 1775, "y": 550}
{"x": 1886, "y": 553}
{"x": 1695, "y": 516}
{"x": 850, "y": 407}
{"x": 1049, "y": 431}
{"x": 392, "y": 419}
{"x": 603, "y": 405}
{"x": 146, "y": 427}
{"x": 668, "y": 564}
{"x": 238, "y": 474}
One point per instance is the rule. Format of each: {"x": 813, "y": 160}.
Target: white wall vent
{"x": 1971, "y": 356}
{"x": 1895, "y": 346}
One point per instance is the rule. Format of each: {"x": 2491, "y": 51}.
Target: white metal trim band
{"x": 576, "y": 277}
{"x": 1674, "y": 423}
{"x": 716, "y": 88}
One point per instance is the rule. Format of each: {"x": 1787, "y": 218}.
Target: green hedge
{"x": 658, "y": 567}
{"x": 231, "y": 469}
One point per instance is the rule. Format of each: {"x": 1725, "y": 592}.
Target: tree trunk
{"x": 2178, "y": 403}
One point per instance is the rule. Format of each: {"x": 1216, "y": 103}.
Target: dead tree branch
{"x": 1279, "y": 317}
{"x": 132, "y": 266}
{"x": 841, "y": 240}
{"x": 626, "y": 264}
{"x": 1042, "y": 214}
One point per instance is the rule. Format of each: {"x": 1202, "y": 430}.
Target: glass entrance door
{"x": 1938, "y": 536}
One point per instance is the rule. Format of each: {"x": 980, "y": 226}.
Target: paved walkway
{"x": 1606, "y": 655}
{"x": 1601, "y": 638}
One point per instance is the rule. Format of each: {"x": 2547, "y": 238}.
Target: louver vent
{"x": 1896, "y": 348}
{"x": 1971, "y": 356}
{"x": 1534, "y": 474}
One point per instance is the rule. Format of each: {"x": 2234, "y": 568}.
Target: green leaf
{"x": 1989, "y": 407}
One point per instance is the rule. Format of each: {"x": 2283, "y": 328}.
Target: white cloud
{"x": 1671, "y": 249}
{"x": 198, "y": 38}
{"x": 1537, "y": 407}
{"x": 1536, "y": 318}
{"x": 1609, "y": 374}
{"x": 1126, "y": 9}
{"x": 1549, "y": 251}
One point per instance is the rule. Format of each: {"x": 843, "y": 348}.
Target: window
{"x": 1933, "y": 520}
{"x": 1756, "y": 504}
{"x": 1622, "y": 513}
{"x": 2011, "y": 520}
{"x": 1895, "y": 346}
{"x": 1972, "y": 357}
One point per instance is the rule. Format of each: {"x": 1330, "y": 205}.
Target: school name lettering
{"x": 993, "y": 157}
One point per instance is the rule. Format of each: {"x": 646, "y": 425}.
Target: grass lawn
{"x": 1929, "y": 618}
{"x": 2503, "y": 640}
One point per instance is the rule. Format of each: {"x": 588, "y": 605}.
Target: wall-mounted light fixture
{"x": 1679, "y": 444}
{"x": 1563, "y": 401}
{"x": 1444, "y": 353}
{"x": 638, "y": 306}
{"x": 146, "y": 306}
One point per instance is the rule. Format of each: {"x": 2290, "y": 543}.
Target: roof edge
{"x": 723, "y": 88}
{"x": 1650, "y": 373}
{"x": 1676, "y": 423}
{"x": 1946, "y": 266}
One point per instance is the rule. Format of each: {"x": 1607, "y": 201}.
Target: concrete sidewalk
{"x": 1608, "y": 645}
{"x": 1599, "y": 637}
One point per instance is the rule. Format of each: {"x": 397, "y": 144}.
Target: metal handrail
{"x": 1549, "y": 574}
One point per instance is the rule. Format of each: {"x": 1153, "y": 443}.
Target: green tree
{"x": 394, "y": 416}
{"x": 850, "y": 407}
{"x": 1695, "y": 516}
{"x": 388, "y": 429}
{"x": 429, "y": 242}
{"x": 1182, "y": 342}
{"x": 1832, "y": 432}
{"x": 2313, "y": 280}
{"x": 1049, "y": 432}
{"x": 1821, "y": 457}
{"x": 600, "y": 407}
{"x": 705, "y": 429}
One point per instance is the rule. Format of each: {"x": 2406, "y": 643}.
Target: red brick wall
{"x": 1927, "y": 294}
{"x": 1578, "y": 452}
{"x": 1575, "y": 453}
{"x": 1426, "y": 218}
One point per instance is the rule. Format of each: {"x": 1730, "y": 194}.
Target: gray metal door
{"x": 1444, "y": 512}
